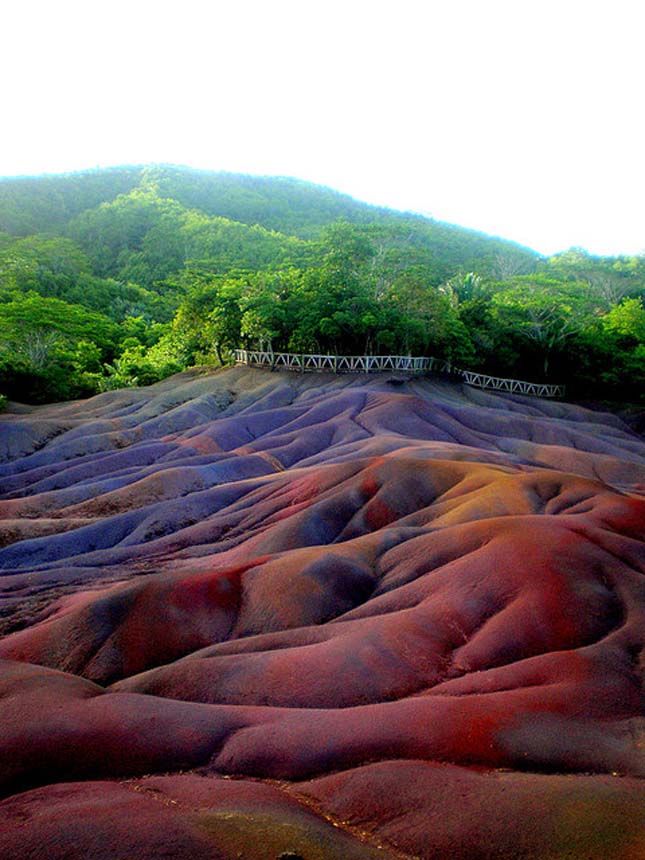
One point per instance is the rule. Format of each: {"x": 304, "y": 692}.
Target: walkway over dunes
{"x": 305, "y": 363}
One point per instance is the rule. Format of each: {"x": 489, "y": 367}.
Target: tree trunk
{"x": 545, "y": 366}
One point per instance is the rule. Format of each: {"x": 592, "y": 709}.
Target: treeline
{"x": 123, "y": 277}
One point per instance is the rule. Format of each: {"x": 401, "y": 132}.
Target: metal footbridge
{"x": 311, "y": 363}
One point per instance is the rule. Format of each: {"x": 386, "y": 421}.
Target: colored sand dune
{"x": 252, "y": 614}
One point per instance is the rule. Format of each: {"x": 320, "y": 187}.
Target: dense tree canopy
{"x": 122, "y": 277}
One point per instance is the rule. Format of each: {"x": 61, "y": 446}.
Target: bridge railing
{"x": 312, "y": 363}
{"x": 514, "y": 386}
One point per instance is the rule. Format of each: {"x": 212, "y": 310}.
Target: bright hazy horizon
{"x": 519, "y": 120}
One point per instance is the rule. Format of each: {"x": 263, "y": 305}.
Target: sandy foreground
{"x": 257, "y": 615}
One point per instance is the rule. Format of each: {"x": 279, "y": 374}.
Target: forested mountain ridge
{"x": 122, "y": 276}
{"x": 86, "y": 205}
{"x": 44, "y": 204}
{"x": 283, "y": 204}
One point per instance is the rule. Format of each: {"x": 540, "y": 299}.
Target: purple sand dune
{"x": 263, "y": 615}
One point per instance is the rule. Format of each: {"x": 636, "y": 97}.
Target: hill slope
{"x": 293, "y": 207}
{"x": 406, "y": 618}
{"x": 185, "y": 265}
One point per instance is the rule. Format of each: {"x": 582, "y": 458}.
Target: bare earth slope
{"x": 256, "y": 615}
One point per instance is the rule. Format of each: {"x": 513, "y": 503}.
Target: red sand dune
{"x": 250, "y": 614}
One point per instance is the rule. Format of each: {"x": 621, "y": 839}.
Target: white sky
{"x": 516, "y": 117}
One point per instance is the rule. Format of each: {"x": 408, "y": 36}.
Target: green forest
{"x": 121, "y": 277}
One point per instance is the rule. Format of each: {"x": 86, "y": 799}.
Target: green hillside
{"x": 45, "y": 204}
{"x": 62, "y": 205}
{"x": 170, "y": 266}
